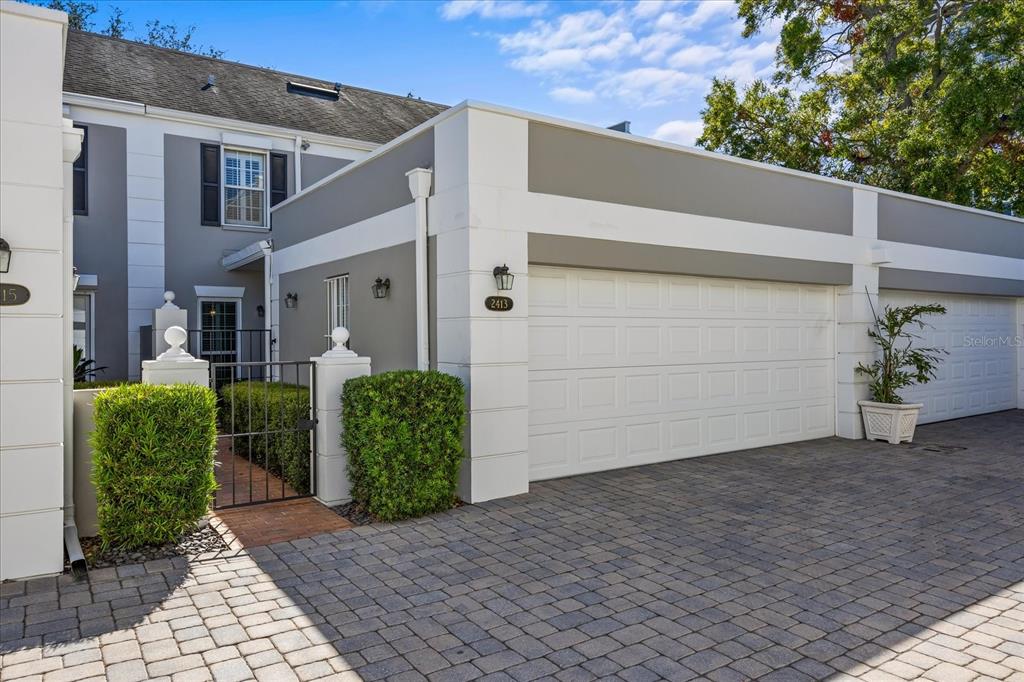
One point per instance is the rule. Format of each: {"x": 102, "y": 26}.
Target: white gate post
{"x": 333, "y": 369}
{"x": 167, "y": 316}
{"x": 175, "y": 365}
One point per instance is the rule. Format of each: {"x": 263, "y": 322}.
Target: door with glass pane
{"x": 218, "y": 333}
{"x": 82, "y": 328}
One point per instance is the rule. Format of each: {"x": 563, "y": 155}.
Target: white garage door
{"x": 630, "y": 368}
{"x": 978, "y": 375}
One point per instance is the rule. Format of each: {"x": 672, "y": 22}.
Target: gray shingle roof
{"x": 125, "y": 70}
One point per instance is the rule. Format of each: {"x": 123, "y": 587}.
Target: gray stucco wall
{"x": 315, "y": 168}
{"x": 586, "y": 166}
{"x": 375, "y": 187}
{"x": 193, "y": 251}
{"x": 384, "y": 330}
{"x": 101, "y": 246}
{"x": 918, "y": 222}
{"x": 601, "y": 253}
{"x": 945, "y": 282}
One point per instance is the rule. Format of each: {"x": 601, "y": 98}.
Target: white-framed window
{"x": 245, "y": 188}
{"x": 337, "y": 304}
{"x": 83, "y": 324}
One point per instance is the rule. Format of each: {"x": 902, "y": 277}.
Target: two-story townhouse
{"x": 183, "y": 157}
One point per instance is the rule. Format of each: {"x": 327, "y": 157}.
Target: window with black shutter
{"x": 80, "y": 180}
{"x": 278, "y": 178}
{"x": 210, "y": 163}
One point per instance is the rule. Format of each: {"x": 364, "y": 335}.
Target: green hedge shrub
{"x": 259, "y": 406}
{"x": 105, "y": 383}
{"x": 403, "y": 433}
{"x": 152, "y": 461}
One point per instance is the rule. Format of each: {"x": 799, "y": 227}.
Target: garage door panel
{"x": 585, "y": 394}
{"x": 557, "y": 343}
{"x": 609, "y": 443}
{"x": 978, "y": 375}
{"x": 559, "y": 292}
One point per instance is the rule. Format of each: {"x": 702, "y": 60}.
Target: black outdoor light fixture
{"x": 260, "y": 311}
{"x": 5, "y": 256}
{"x": 503, "y": 278}
{"x": 291, "y": 300}
{"x": 381, "y": 287}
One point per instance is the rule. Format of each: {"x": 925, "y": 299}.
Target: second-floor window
{"x": 80, "y": 181}
{"x": 238, "y": 186}
{"x": 245, "y": 188}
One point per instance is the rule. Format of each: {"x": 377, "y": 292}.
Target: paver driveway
{"x": 806, "y": 561}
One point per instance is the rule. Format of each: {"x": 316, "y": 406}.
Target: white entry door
{"x": 979, "y": 373}
{"x": 630, "y": 368}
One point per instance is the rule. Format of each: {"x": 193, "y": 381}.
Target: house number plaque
{"x": 13, "y": 294}
{"x": 499, "y": 304}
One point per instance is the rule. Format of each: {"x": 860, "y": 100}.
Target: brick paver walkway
{"x": 819, "y": 560}
{"x": 283, "y": 521}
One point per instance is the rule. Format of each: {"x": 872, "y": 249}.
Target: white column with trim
{"x": 480, "y": 161}
{"x": 853, "y": 319}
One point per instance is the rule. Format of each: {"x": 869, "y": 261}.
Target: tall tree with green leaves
{"x": 158, "y": 33}
{"x": 919, "y": 96}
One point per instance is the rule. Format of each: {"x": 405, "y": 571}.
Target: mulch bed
{"x": 204, "y": 539}
{"x": 357, "y": 515}
{"x": 354, "y": 513}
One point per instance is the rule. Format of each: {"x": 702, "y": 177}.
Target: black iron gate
{"x": 266, "y": 443}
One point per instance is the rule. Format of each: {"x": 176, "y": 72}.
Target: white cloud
{"x": 651, "y": 86}
{"x": 680, "y": 132}
{"x": 706, "y": 11}
{"x": 572, "y": 42}
{"x": 492, "y": 9}
{"x": 573, "y": 95}
{"x": 636, "y": 54}
{"x": 695, "y": 55}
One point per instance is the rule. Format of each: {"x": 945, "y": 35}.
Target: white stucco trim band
{"x": 570, "y": 217}
{"x": 394, "y": 227}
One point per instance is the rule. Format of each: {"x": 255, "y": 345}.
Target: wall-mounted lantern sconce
{"x": 503, "y": 278}
{"x": 291, "y": 300}
{"x": 381, "y": 287}
{"x": 260, "y": 311}
{"x": 5, "y": 256}
{"x": 75, "y": 278}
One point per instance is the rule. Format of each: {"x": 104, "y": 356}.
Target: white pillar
{"x": 333, "y": 369}
{"x": 175, "y": 365}
{"x": 854, "y": 318}
{"x": 481, "y": 161}
{"x": 166, "y": 316}
{"x": 419, "y": 187}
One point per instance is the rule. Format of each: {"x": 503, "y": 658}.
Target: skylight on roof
{"x": 297, "y": 88}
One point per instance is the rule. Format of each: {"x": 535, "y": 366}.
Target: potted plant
{"x": 886, "y": 416}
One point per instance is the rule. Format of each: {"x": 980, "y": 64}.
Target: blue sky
{"x": 649, "y": 62}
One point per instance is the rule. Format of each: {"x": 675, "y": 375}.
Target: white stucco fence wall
{"x": 38, "y": 145}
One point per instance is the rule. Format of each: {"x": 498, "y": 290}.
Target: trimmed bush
{"x": 258, "y": 406}
{"x": 403, "y": 433}
{"x": 152, "y": 461}
{"x": 105, "y": 383}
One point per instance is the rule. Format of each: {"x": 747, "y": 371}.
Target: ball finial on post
{"x": 340, "y": 336}
{"x": 175, "y": 338}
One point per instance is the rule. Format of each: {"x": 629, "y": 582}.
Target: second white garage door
{"x": 631, "y": 368}
{"x": 979, "y": 373}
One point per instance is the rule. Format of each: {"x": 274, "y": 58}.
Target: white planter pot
{"x": 888, "y": 421}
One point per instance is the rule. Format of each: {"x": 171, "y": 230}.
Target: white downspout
{"x": 419, "y": 187}
{"x": 72, "y": 148}
{"x": 268, "y": 320}
{"x": 298, "y": 163}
